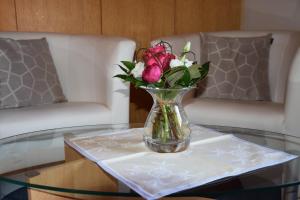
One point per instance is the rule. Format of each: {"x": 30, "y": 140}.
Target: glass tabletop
{"x": 42, "y": 162}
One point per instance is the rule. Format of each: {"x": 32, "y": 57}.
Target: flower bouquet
{"x": 167, "y": 77}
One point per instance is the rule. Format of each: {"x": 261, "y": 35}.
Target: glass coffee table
{"x": 40, "y": 165}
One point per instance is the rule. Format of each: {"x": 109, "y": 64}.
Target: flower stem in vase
{"x": 174, "y": 123}
{"x": 158, "y": 126}
{"x": 166, "y": 130}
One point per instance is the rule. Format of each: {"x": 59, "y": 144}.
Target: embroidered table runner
{"x": 211, "y": 156}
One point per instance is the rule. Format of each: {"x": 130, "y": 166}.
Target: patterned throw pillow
{"x": 239, "y": 67}
{"x": 27, "y": 74}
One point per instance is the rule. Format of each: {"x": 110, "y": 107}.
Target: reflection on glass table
{"x": 40, "y": 164}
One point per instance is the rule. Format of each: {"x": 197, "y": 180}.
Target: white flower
{"x": 187, "y": 47}
{"x": 188, "y": 63}
{"x": 138, "y": 69}
{"x": 176, "y": 63}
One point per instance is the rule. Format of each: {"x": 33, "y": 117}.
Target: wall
{"x": 141, "y": 20}
{"x": 271, "y": 14}
{"x": 7, "y": 15}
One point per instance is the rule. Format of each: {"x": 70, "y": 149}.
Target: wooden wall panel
{"x": 207, "y": 15}
{"x": 66, "y": 16}
{"x": 7, "y": 15}
{"x": 141, "y": 20}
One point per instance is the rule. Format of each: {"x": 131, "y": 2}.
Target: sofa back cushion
{"x": 28, "y": 75}
{"x": 282, "y": 51}
{"x": 238, "y": 67}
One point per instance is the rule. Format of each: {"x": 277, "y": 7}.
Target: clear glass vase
{"x": 167, "y": 127}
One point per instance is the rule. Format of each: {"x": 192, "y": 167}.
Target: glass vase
{"x": 167, "y": 127}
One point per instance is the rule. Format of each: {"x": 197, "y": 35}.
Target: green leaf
{"x": 194, "y": 71}
{"x": 137, "y": 82}
{"x": 185, "y": 79}
{"x": 173, "y": 75}
{"x": 198, "y": 72}
{"x": 178, "y": 76}
{"x": 129, "y": 65}
{"x": 174, "y": 70}
{"x": 121, "y": 76}
{"x": 204, "y": 70}
{"x": 159, "y": 84}
{"x": 205, "y": 66}
{"x": 124, "y": 69}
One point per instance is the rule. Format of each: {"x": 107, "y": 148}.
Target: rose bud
{"x": 152, "y": 73}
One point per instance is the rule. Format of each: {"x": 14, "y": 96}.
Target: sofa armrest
{"x": 119, "y": 91}
{"x": 292, "y": 108}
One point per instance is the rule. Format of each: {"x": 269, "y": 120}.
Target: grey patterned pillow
{"x": 27, "y": 74}
{"x": 239, "y": 67}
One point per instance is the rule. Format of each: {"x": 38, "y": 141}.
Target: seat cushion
{"x": 245, "y": 114}
{"x": 29, "y": 119}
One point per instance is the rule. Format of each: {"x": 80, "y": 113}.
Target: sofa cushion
{"x": 51, "y": 116}
{"x": 245, "y": 114}
{"x": 28, "y": 75}
{"x": 239, "y": 67}
{"x": 282, "y": 51}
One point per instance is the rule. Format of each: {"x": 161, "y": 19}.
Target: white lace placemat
{"x": 211, "y": 156}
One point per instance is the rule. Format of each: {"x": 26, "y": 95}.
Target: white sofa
{"x": 85, "y": 66}
{"x": 281, "y": 114}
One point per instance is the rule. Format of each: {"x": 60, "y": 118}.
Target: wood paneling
{"x": 7, "y": 15}
{"x": 207, "y": 15}
{"x": 141, "y": 20}
{"x": 66, "y": 16}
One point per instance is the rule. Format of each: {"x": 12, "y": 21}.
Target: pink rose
{"x": 152, "y": 73}
{"x": 161, "y": 59}
{"x": 150, "y": 56}
{"x": 150, "y": 59}
{"x": 159, "y": 48}
{"x": 165, "y": 60}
